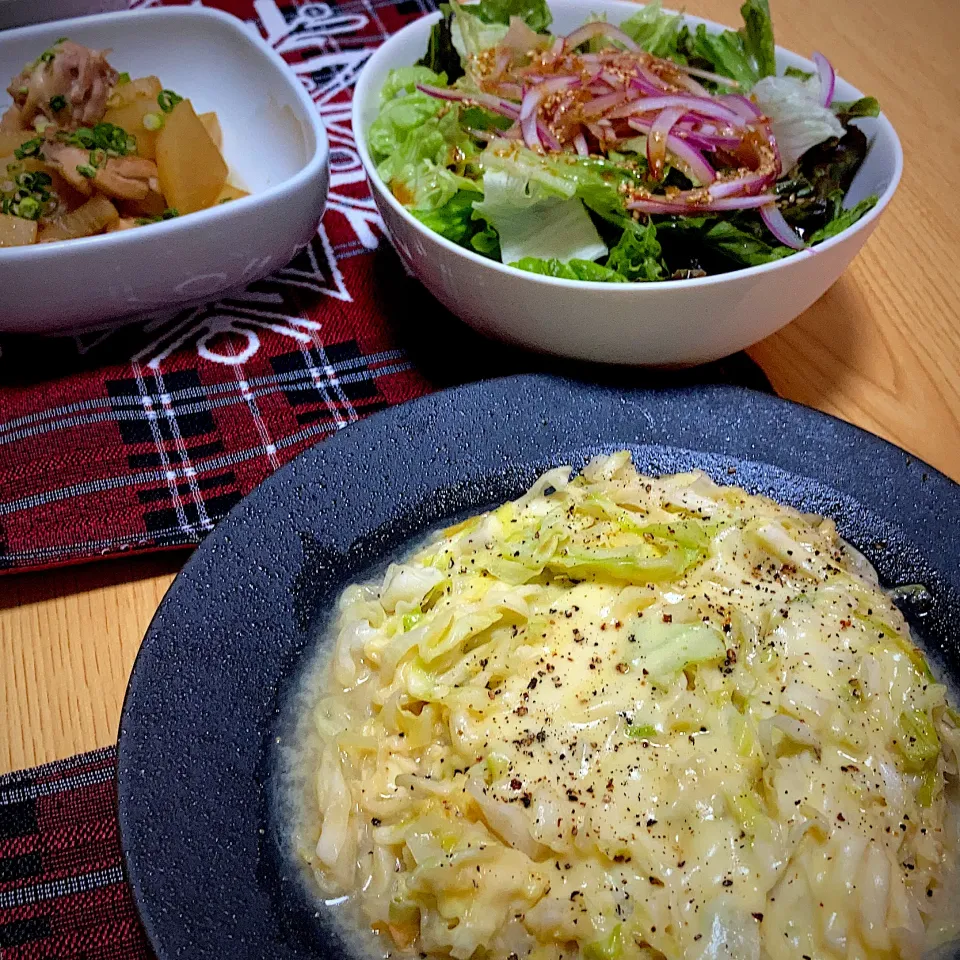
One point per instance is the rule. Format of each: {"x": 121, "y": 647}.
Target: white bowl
{"x": 678, "y": 322}
{"x": 273, "y": 142}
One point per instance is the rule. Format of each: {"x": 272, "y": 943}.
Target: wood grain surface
{"x": 881, "y": 349}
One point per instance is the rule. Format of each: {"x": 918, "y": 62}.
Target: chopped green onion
{"x": 50, "y": 52}
{"x": 57, "y": 103}
{"x": 167, "y": 214}
{"x": 153, "y": 121}
{"x": 40, "y": 123}
{"x": 123, "y": 79}
{"x": 168, "y": 100}
{"x": 170, "y": 213}
{"x": 85, "y": 170}
{"x": 30, "y": 148}
{"x": 98, "y": 157}
{"x": 28, "y": 208}
{"x": 103, "y": 136}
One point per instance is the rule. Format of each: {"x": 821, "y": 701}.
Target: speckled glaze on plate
{"x": 198, "y": 738}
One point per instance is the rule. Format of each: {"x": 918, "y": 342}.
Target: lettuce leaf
{"x": 574, "y": 270}
{"x": 534, "y": 13}
{"x": 405, "y": 79}
{"x": 846, "y": 218}
{"x": 533, "y": 221}
{"x": 638, "y": 255}
{"x": 744, "y": 55}
{"x": 849, "y": 109}
{"x": 758, "y": 36}
{"x": 441, "y": 55}
{"x": 657, "y": 32}
{"x": 414, "y": 139}
{"x": 456, "y": 221}
{"x": 798, "y": 120}
{"x": 470, "y": 34}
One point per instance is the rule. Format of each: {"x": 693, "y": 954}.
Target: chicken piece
{"x": 126, "y": 178}
{"x": 66, "y": 160}
{"x": 81, "y": 76}
{"x": 10, "y": 121}
{"x": 123, "y": 178}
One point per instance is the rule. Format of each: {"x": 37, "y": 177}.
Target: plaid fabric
{"x": 62, "y": 890}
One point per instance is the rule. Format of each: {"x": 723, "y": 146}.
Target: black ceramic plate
{"x": 205, "y": 707}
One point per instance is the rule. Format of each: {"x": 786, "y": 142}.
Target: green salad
{"x": 641, "y": 152}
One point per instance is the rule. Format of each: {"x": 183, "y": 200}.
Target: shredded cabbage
{"x": 634, "y": 717}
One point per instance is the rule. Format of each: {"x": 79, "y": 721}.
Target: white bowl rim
{"x": 311, "y": 170}
{"x": 617, "y": 289}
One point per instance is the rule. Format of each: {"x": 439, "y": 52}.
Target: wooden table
{"x": 881, "y": 349}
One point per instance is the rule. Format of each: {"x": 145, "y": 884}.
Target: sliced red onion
{"x": 598, "y": 28}
{"x": 743, "y": 186}
{"x": 654, "y": 205}
{"x": 828, "y": 78}
{"x": 547, "y": 138}
{"x": 694, "y": 162}
{"x": 779, "y": 227}
{"x": 646, "y": 81}
{"x": 557, "y": 47}
{"x": 528, "y": 117}
{"x": 580, "y": 143}
{"x": 703, "y": 106}
{"x": 707, "y": 75}
{"x": 657, "y": 139}
{"x": 496, "y": 104}
{"x": 741, "y": 105}
{"x": 688, "y": 83}
{"x": 599, "y": 106}
{"x": 706, "y": 141}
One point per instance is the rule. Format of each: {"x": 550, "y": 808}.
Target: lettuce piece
{"x": 456, "y": 221}
{"x": 470, "y": 34}
{"x": 534, "y": 13}
{"x": 742, "y": 247}
{"x": 847, "y": 218}
{"x": 758, "y": 36}
{"x": 798, "y": 120}
{"x": 848, "y": 109}
{"x": 746, "y": 55}
{"x": 595, "y": 181}
{"x": 533, "y": 221}
{"x": 405, "y": 79}
{"x": 726, "y": 54}
{"x": 573, "y": 270}
{"x": 668, "y": 648}
{"x": 657, "y": 32}
{"x": 441, "y": 55}
{"x": 413, "y": 140}
{"x": 638, "y": 255}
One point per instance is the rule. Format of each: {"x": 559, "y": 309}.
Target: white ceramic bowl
{"x": 273, "y": 142}
{"x": 679, "y": 322}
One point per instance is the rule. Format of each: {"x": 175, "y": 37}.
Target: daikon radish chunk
{"x": 192, "y": 172}
{"x": 230, "y": 192}
{"x": 143, "y": 88}
{"x": 212, "y": 122}
{"x": 17, "y": 232}
{"x": 143, "y": 119}
{"x": 97, "y": 214}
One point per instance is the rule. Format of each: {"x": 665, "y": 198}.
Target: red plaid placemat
{"x": 62, "y": 890}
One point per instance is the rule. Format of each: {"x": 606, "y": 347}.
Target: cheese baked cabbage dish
{"x": 634, "y": 717}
